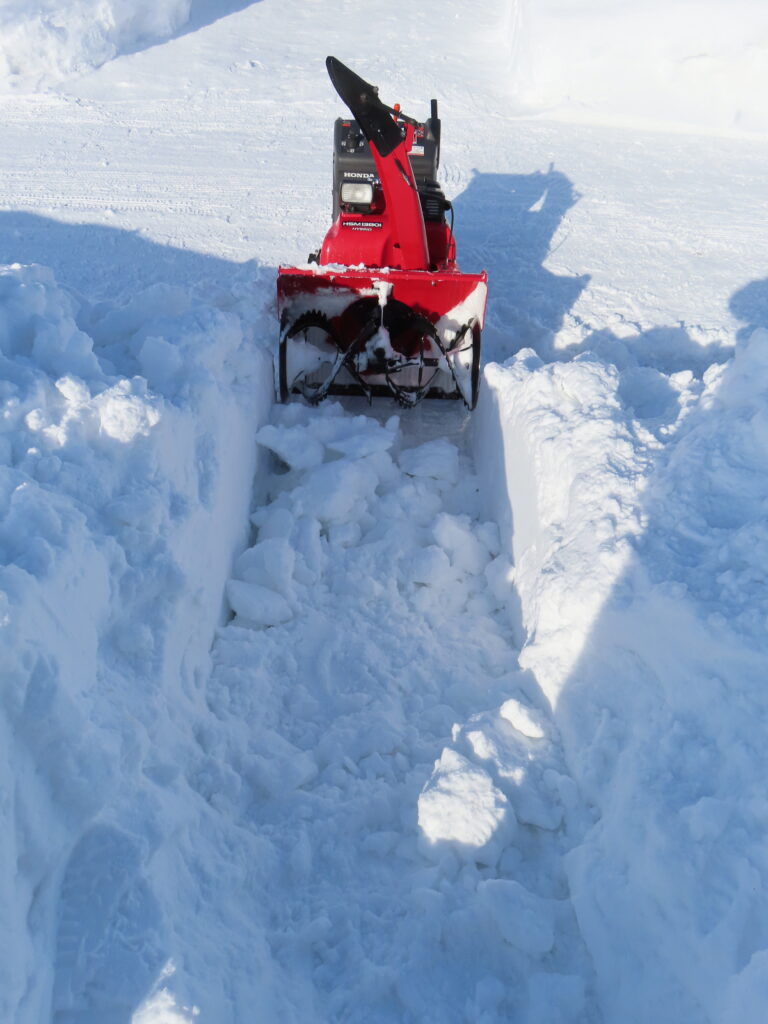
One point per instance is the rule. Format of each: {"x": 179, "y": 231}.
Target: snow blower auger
{"x": 382, "y": 308}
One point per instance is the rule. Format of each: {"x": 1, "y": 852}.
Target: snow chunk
{"x": 162, "y": 1008}
{"x": 125, "y": 413}
{"x": 74, "y": 390}
{"x": 302, "y": 444}
{"x": 270, "y": 564}
{"x": 369, "y": 437}
{"x": 454, "y": 534}
{"x": 524, "y": 919}
{"x": 460, "y": 804}
{"x": 522, "y": 718}
{"x": 338, "y": 492}
{"x": 437, "y": 460}
{"x": 37, "y": 321}
{"x": 294, "y": 445}
{"x": 257, "y": 604}
{"x": 273, "y": 521}
{"x": 432, "y": 568}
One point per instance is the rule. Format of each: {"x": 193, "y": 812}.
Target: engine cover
{"x": 353, "y": 160}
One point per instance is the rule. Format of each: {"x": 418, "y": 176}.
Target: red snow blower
{"x": 382, "y": 308}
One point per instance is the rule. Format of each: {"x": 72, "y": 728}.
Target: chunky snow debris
{"x": 363, "y": 632}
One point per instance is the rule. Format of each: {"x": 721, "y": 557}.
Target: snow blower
{"x": 382, "y": 308}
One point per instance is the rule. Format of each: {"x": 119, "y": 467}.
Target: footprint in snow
{"x": 108, "y": 941}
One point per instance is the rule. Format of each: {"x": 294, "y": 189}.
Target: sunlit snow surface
{"x": 359, "y": 714}
{"x": 42, "y": 41}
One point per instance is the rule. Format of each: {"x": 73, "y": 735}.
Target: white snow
{"x": 460, "y": 805}
{"x": 364, "y": 714}
{"x": 691, "y": 64}
{"x": 44, "y": 41}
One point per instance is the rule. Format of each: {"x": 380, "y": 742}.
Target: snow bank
{"x": 640, "y": 557}
{"x": 561, "y": 471}
{"x": 45, "y": 40}
{"x": 667, "y": 62}
{"x": 122, "y": 500}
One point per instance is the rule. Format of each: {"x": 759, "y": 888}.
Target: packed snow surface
{"x": 353, "y": 713}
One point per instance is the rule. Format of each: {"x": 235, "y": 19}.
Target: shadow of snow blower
{"x": 382, "y": 308}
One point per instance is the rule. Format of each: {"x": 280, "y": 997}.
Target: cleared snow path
{"x": 294, "y": 854}
{"x": 400, "y": 772}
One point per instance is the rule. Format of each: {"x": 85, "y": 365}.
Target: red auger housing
{"x": 382, "y": 308}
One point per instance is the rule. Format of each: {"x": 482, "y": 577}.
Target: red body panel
{"x": 433, "y": 294}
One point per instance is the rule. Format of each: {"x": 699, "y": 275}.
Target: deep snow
{"x": 348, "y": 713}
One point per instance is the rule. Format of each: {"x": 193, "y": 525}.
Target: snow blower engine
{"x": 382, "y": 308}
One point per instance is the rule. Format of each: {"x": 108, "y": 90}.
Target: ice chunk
{"x": 308, "y": 543}
{"x": 489, "y": 993}
{"x": 488, "y": 535}
{"x": 160, "y": 1008}
{"x": 499, "y": 574}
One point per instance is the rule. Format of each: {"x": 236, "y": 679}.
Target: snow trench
{"x": 397, "y": 775}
